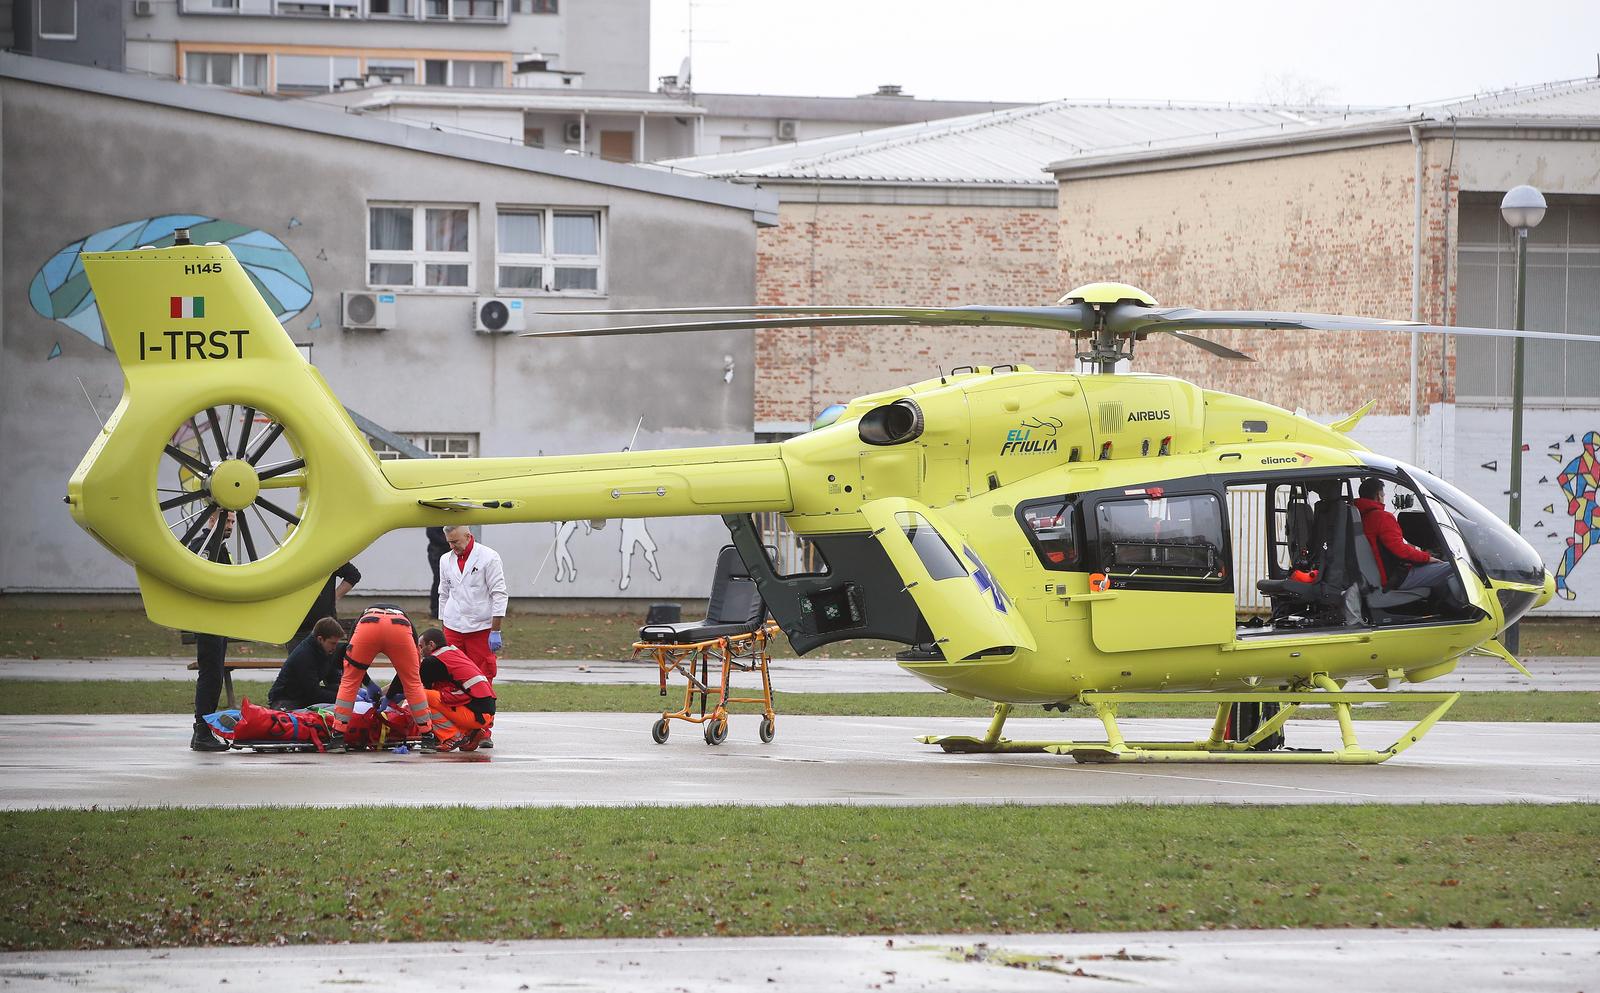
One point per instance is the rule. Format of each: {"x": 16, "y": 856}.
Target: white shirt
{"x": 471, "y": 598}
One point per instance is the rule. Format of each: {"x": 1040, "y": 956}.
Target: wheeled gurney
{"x": 732, "y": 638}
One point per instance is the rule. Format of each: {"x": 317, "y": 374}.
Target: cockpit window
{"x": 930, "y": 546}
{"x": 1499, "y": 552}
{"x": 1052, "y": 527}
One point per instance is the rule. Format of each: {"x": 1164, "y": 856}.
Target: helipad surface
{"x": 578, "y": 758}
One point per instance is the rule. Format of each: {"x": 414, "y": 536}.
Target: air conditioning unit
{"x": 143, "y": 8}
{"x": 788, "y": 129}
{"x": 368, "y": 311}
{"x": 498, "y": 315}
{"x": 572, "y": 131}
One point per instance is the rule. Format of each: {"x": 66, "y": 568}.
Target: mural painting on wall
{"x": 634, "y": 534}
{"x": 1580, "y": 483}
{"x": 60, "y": 289}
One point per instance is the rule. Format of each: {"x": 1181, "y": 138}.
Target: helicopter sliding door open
{"x": 1164, "y": 553}
{"x": 970, "y": 616}
{"x": 1324, "y": 571}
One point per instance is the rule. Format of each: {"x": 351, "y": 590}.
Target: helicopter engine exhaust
{"x": 892, "y": 424}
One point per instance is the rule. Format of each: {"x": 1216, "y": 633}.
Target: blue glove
{"x": 495, "y": 641}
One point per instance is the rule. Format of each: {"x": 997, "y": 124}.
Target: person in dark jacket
{"x": 211, "y": 650}
{"x": 1384, "y": 534}
{"x": 343, "y": 580}
{"x": 438, "y": 544}
{"x": 312, "y": 671}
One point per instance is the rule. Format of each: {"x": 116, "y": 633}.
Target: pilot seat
{"x": 732, "y": 637}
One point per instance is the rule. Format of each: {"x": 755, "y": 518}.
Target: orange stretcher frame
{"x": 694, "y": 661}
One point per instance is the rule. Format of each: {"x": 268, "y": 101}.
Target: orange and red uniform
{"x": 385, "y": 630}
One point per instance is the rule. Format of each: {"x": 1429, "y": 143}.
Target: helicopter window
{"x": 1169, "y": 535}
{"x": 930, "y": 547}
{"x": 1052, "y": 526}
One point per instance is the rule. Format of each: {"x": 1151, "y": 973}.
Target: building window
{"x": 440, "y": 446}
{"x": 1563, "y": 295}
{"x": 391, "y": 8}
{"x": 232, "y": 69}
{"x": 315, "y": 73}
{"x": 58, "y": 19}
{"x": 535, "y": 6}
{"x": 401, "y": 72}
{"x": 420, "y": 245}
{"x": 464, "y": 72}
{"x": 548, "y": 250}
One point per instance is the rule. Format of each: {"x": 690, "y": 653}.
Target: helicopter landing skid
{"x": 1214, "y": 747}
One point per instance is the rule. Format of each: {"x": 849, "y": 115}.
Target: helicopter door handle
{"x": 659, "y": 491}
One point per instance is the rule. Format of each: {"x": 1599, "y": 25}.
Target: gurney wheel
{"x": 660, "y": 730}
{"x": 768, "y": 729}
{"x": 716, "y": 731}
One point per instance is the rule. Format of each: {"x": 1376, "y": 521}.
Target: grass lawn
{"x": 86, "y": 879}
{"x": 79, "y": 634}
{"x": 73, "y": 634}
{"x": 177, "y": 697}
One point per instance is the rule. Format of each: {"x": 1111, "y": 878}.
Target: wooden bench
{"x": 229, "y": 665}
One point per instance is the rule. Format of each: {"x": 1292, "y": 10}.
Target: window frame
{"x": 39, "y": 24}
{"x": 419, "y": 258}
{"x": 1070, "y": 503}
{"x": 1090, "y": 505}
{"x": 265, "y": 65}
{"x": 547, "y": 260}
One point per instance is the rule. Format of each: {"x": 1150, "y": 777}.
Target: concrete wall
{"x": 863, "y": 254}
{"x": 609, "y": 41}
{"x": 76, "y": 163}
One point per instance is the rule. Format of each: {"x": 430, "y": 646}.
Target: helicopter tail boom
{"x": 234, "y": 482}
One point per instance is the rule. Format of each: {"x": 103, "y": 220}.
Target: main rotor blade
{"x": 1215, "y": 348}
{"x": 1069, "y": 318}
{"x": 1142, "y": 321}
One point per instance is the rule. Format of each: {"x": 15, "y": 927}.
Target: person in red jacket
{"x": 461, "y": 699}
{"x": 1384, "y": 534}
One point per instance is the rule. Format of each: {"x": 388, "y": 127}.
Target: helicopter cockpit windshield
{"x": 1495, "y": 550}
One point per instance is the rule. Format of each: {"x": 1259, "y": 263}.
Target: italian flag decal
{"x": 188, "y": 307}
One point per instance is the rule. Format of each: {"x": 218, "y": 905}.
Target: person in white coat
{"x": 472, "y": 598}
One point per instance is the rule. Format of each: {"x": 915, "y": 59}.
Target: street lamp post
{"x": 1522, "y": 208}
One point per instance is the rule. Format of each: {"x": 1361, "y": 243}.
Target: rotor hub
{"x": 234, "y": 484}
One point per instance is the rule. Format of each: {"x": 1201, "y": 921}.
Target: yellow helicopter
{"x": 1033, "y": 537}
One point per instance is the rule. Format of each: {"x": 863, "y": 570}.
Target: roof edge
{"x": 763, "y": 206}
{"x": 1363, "y": 135}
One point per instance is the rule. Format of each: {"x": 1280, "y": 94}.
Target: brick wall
{"x": 855, "y": 254}
{"x": 1327, "y": 232}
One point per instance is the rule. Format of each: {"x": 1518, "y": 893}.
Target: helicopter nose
{"x": 1548, "y": 593}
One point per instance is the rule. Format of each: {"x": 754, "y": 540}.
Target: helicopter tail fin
{"x": 229, "y": 469}
{"x": 1345, "y": 424}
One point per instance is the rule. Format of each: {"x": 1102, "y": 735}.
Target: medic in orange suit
{"x": 460, "y": 697}
{"x": 384, "y": 629}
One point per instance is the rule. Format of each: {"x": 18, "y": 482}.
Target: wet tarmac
{"x": 1551, "y": 673}
{"x": 1554, "y": 960}
{"x": 550, "y": 759}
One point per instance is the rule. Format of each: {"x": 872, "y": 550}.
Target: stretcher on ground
{"x": 733, "y": 637}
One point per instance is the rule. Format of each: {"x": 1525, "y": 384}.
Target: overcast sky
{"x": 1356, "y": 51}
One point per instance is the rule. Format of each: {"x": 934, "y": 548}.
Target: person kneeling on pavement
{"x": 311, "y": 673}
{"x": 460, "y": 697}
